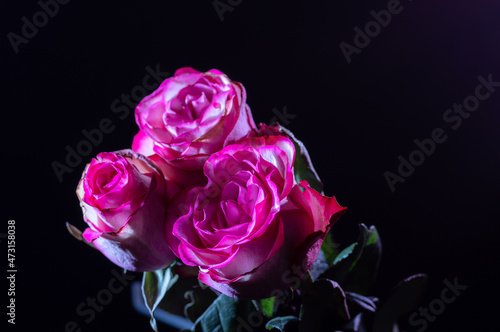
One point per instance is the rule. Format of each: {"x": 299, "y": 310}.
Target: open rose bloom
{"x": 189, "y": 117}
{"x": 251, "y": 226}
{"x": 123, "y": 196}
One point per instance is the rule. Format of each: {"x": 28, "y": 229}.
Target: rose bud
{"x": 123, "y": 196}
{"x": 251, "y": 230}
{"x": 190, "y": 116}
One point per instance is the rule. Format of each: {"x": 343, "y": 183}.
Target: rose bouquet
{"x": 228, "y": 220}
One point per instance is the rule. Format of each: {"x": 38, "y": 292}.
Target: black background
{"x": 355, "y": 119}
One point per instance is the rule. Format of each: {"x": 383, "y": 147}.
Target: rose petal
{"x": 143, "y": 144}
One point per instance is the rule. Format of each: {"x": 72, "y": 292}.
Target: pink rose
{"x": 189, "y": 117}
{"x": 123, "y": 196}
{"x": 251, "y": 227}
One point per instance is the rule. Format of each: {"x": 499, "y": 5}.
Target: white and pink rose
{"x": 123, "y": 196}
{"x": 188, "y": 118}
{"x": 251, "y": 223}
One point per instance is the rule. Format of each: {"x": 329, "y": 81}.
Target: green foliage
{"x": 404, "y": 298}
{"x": 154, "y": 286}
{"x": 225, "y": 314}
{"x": 329, "y": 249}
{"x": 303, "y": 168}
{"x": 282, "y": 323}
{"x": 337, "y": 300}
{"x": 356, "y": 266}
{"x": 267, "y": 306}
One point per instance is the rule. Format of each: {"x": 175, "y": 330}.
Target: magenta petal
{"x": 205, "y": 258}
{"x": 282, "y": 142}
{"x": 132, "y": 253}
{"x": 245, "y": 123}
{"x": 254, "y": 253}
{"x": 281, "y": 271}
{"x": 223, "y": 286}
{"x": 216, "y": 72}
{"x": 90, "y": 234}
{"x": 306, "y": 219}
{"x": 175, "y": 173}
{"x": 191, "y": 116}
{"x": 186, "y": 70}
{"x": 132, "y": 234}
{"x": 324, "y": 210}
{"x": 143, "y": 144}
{"x": 233, "y": 213}
{"x": 185, "y": 231}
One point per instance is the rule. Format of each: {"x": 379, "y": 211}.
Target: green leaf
{"x": 267, "y": 306}
{"x": 358, "y": 303}
{"x": 333, "y": 295}
{"x": 404, "y": 298}
{"x": 303, "y": 168}
{"x": 154, "y": 286}
{"x": 324, "y": 306}
{"x": 227, "y": 314}
{"x": 356, "y": 266}
{"x": 344, "y": 253}
{"x": 281, "y": 323}
{"x": 329, "y": 249}
{"x": 357, "y": 324}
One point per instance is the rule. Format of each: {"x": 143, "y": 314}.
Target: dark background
{"x": 355, "y": 119}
